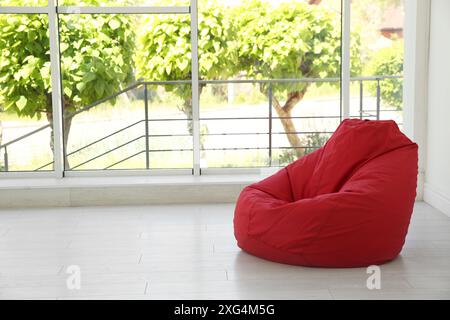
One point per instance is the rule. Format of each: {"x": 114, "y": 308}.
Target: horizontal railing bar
{"x": 123, "y": 10}
{"x": 123, "y": 160}
{"x": 169, "y": 150}
{"x": 105, "y": 137}
{"x": 376, "y": 77}
{"x": 304, "y": 80}
{"x": 106, "y": 152}
{"x": 287, "y": 80}
{"x": 236, "y": 134}
{"x": 237, "y": 168}
{"x": 257, "y": 148}
{"x": 167, "y": 82}
{"x": 365, "y": 115}
{"x": 169, "y": 135}
{"x": 263, "y": 133}
{"x": 299, "y": 80}
{"x": 383, "y": 110}
{"x": 139, "y": 83}
{"x": 169, "y": 119}
{"x": 265, "y": 118}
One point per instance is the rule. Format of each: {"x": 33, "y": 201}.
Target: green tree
{"x": 289, "y": 40}
{"x": 164, "y": 51}
{"x": 388, "y": 61}
{"x": 96, "y": 56}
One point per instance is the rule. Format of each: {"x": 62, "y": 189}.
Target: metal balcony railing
{"x": 375, "y": 114}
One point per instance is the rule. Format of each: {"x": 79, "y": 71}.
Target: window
{"x": 278, "y": 63}
{"x": 147, "y": 125}
{"x": 269, "y": 81}
{"x": 26, "y": 135}
{"x": 377, "y": 59}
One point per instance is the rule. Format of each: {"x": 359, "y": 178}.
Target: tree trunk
{"x": 285, "y": 114}
{"x": 67, "y": 124}
{"x": 187, "y": 110}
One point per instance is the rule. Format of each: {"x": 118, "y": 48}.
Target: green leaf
{"x": 68, "y": 91}
{"x": 182, "y": 65}
{"x": 80, "y": 86}
{"x": 45, "y": 72}
{"x": 100, "y": 89}
{"x": 64, "y": 46}
{"x": 168, "y": 69}
{"x": 90, "y": 76}
{"x": 114, "y": 24}
{"x": 21, "y": 103}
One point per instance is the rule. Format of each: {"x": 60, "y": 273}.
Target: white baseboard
{"x": 420, "y": 185}
{"x": 437, "y": 199}
{"x": 111, "y": 191}
{"x": 114, "y": 191}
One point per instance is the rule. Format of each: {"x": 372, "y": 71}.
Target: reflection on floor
{"x": 189, "y": 252}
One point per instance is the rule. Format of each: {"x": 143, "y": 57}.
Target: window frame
{"x": 53, "y": 11}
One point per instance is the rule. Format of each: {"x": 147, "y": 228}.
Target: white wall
{"x": 437, "y": 170}
{"x": 415, "y": 89}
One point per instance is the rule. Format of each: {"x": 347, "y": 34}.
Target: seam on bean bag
{"x": 326, "y": 223}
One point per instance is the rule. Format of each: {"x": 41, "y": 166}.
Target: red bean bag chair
{"x": 347, "y": 204}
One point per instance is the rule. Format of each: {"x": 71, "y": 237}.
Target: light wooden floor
{"x": 189, "y": 252}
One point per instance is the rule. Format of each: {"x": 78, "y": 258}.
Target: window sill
{"x": 133, "y": 190}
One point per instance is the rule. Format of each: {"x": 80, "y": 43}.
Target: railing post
{"x": 147, "y": 141}
{"x": 378, "y": 99}
{"x": 361, "y": 93}
{"x": 270, "y": 123}
{"x": 5, "y": 157}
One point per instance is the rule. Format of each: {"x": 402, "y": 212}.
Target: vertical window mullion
{"x": 195, "y": 88}
{"x": 345, "y": 60}
{"x": 55, "y": 69}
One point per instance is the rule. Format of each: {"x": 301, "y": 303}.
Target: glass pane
{"x": 106, "y": 54}
{"x": 24, "y": 3}
{"x": 25, "y": 94}
{"x": 377, "y": 31}
{"x": 116, "y": 3}
{"x": 286, "y": 58}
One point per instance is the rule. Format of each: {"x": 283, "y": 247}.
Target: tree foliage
{"x": 24, "y": 64}
{"x": 293, "y": 40}
{"x": 389, "y": 61}
{"x": 95, "y": 60}
{"x": 290, "y": 40}
{"x": 165, "y": 47}
{"x": 254, "y": 39}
